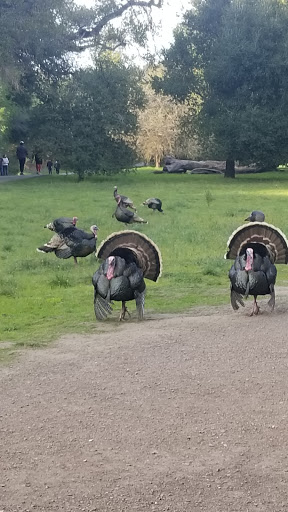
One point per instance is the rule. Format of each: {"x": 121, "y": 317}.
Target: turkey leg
{"x": 256, "y": 308}
{"x": 271, "y": 302}
{"x": 124, "y": 310}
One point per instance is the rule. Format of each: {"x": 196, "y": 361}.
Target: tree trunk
{"x": 157, "y": 161}
{"x": 230, "y": 169}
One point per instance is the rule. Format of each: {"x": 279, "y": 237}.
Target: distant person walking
{"x": 57, "y": 166}
{"x": 38, "y": 162}
{"x": 5, "y": 163}
{"x": 1, "y": 166}
{"x": 49, "y": 165}
{"x": 21, "y": 153}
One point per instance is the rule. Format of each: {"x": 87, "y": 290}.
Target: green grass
{"x": 42, "y": 297}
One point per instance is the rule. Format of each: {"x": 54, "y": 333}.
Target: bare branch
{"x": 117, "y": 13}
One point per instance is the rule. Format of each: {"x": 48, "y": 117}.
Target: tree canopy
{"x": 233, "y": 55}
{"x": 86, "y": 116}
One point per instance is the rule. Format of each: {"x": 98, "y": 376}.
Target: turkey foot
{"x": 255, "y": 309}
{"x": 75, "y": 261}
{"x": 124, "y": 310}
{"x": 271, "y": 302}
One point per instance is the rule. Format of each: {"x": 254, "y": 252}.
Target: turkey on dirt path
{"x": 154, "y": 203}
{"x": 256, "y": 216}
{"x": 61, "y": 223}
{"x": 255, "y": 247}
{"x": 126, "y": 201}
{"x": 129, "y": 257}
{"x": 124, "y": 215}
{"x": 72, "y": 241}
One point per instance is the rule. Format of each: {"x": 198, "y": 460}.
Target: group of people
{"x": 22, "y": 154}
{"x": 56, "y": 166}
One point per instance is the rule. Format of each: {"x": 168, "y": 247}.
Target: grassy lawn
{"x": 42, "y": 297}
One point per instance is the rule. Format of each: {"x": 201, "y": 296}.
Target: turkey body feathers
{"x": 259, "y": 280}
{"x": 154, "y": 203}
{"x": 255, "y": 248}
{"x": 126, "y": 201}
{"x": 124, "y": 215}
{"x": 72, "y": 241}
{"x": 126, "y": 284}
{"x": 58, "y": 225}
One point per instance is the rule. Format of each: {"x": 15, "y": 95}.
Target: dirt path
{"x": 175, "y": 414}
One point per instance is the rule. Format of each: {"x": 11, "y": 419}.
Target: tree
{"x": 159, "y": 126}
{"x": 54, "y": 102}
{"x": 234, "y": 56}
{"x": 38, "y": 38}
{"x": 90, "y": 121}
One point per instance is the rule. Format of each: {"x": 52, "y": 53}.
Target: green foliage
{"x": 89, "y": 122}
{"x": 235, "y": 58}
{"x": 43, "y": 297}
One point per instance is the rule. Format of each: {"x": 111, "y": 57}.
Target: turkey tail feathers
{"x": 258, "y": 233}
{"x": 236, "y": 299}
{"x": 134, "y": 246}
{"x": 140, "y": 301}
{"x": 102, "y": 308}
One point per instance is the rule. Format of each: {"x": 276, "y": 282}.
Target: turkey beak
{"x": 248, "y": 218}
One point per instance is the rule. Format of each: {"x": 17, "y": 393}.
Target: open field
{"x": 42, "y": 297}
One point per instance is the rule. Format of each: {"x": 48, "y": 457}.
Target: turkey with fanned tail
{"x": 124, "y": 215}
{"x": 72, "y": 241}
{"x": 129, "y": 257}
{"x": 255, "y": 247}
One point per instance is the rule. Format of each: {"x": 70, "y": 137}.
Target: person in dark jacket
{"x": 21, "y": 153}
{"x": 50, "y": 165}
{"x": 38, "y": 162}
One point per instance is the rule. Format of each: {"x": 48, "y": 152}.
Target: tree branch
{"x": 95, "y": 31}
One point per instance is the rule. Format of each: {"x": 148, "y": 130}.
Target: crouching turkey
{"x": 129, "y": 257}
{"x": 255, "y": 247}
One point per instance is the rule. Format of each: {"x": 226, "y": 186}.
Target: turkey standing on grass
{"x": 122, "y": 214}
{"x": 154, "y": 203}
{"x": 255, "y": 247}
{"x": 126, "y": 201}
{"x": 129, "y": 258}
{"x": 72, "y": 241}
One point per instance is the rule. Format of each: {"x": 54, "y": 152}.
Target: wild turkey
{"x": 72, "y": 241}
{"x": 256, "y": 216}
{"x": 255, "y": 247}
{"x": 122, "y": 214}
{"x": 61, "y": 223}
{"x": 154, "y": 203}
{"x": 129, "y": 257}
{"x": 126, "y": 201}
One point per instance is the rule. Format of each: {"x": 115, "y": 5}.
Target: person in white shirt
{"x": 5, "y": 163}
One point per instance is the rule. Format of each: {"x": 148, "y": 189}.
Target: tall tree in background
{"x": 90, "y": 121}
{"x": 159, "y": 126}
{"x": 233, "y": 54}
